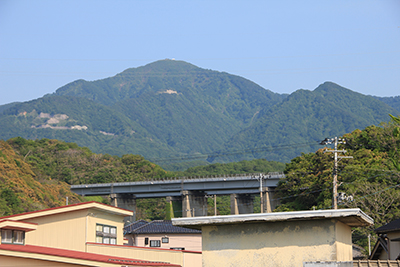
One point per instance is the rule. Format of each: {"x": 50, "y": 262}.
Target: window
{"x": 12, "y": 237}
{"x": 155, "y": 243}
{"x": 165, "y": 239}
{"x": 106, "y": 234}
{"x": 18, "y": 237}
{"x": 178, "y": 248}
{"x": 146, "y": 241}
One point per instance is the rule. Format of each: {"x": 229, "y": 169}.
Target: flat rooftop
{"x": 351, "y": 217}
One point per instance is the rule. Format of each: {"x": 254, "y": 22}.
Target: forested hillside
{"x": 370, "y": 180}
{"x": 172, "y": 112}
{"x": 24, "y": 188}
{"x": 38, "y": 173}
{"x": 298, "y": 123}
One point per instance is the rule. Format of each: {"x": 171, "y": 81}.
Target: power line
{"x": 235, "y": 152}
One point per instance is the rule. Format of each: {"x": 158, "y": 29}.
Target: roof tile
{"x": 157, "y": 226}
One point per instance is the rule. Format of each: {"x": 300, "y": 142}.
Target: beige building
{"x": 85, "y": 234}
{"x": 277, "y": 239}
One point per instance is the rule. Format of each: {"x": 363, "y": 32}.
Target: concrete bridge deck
{"x": 192, "y": 192}
{"x": 210, "y": 185}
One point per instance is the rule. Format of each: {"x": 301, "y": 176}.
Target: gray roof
{"x": 351, "y": 217}
{"x": 157, "y": 227}
{"x": 392, "y": 226}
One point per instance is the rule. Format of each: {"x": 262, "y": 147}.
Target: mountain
{"x": 306, "y": 117}
{"x": 393, "y": 101}
{"x": 169, "y": 110}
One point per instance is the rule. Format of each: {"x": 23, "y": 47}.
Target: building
{"x": 162, "y": 234}
{"x": 84, "y": 234}
{"x": 277, "y": 239}
{"x": 387, "y": 246}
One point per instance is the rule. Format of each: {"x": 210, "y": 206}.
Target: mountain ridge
{"x": 174, "y": 109}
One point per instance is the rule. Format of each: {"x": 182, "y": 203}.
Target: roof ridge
{"x": 59, "y": 208}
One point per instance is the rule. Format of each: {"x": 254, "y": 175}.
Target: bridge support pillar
{"x": 174, "y": 206}
{"x": 193, "y": 204}
{"x": 242, "y": 204}
{"x": 125, "y": 201}
{"x": 269, "y": 202}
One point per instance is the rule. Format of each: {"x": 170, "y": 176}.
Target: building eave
{"x": 69, "y": 208}
{"x": 350, "y": 217}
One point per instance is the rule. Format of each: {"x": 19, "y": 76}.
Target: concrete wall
{"x": 289, "y": 243}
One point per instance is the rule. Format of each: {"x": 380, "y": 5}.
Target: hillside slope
{"x": 22, "y": 190}
{"x": 306, "y": 117}
{"x": 171, "y": 110}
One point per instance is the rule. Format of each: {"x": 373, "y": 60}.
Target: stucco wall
{"x": 65, "y": 230}
{"x": 276, "y": 244}
{"x": 73, "y": 229}
{"x": 100, "y": 217}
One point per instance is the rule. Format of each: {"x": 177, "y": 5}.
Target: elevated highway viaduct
{"x": 192, "y": 192}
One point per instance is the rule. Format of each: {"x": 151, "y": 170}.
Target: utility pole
{"x": 260, "y": 178}
{"x": 215, "y": 205}
{"x": 335, "y": 168}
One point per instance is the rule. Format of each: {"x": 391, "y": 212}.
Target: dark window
{"x": 155, "y": 243}
{"x": 146, "y": 240}
{"x": 106, "y": 234}
{"x": 12, "y": 237}
{"x": 178, "y": 248}
{"x": 165, "y": 239}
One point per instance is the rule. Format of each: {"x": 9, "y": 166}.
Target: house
{"x": 387, "y": 246}
{"x": 84, "y": 234}
{"x": 277, "y": 239}
{"x": 162, "y": 234}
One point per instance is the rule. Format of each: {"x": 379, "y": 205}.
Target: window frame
{"x": 155, "y": 243}
{"x": 106, "y": 234}
{"x": 12, "y": 237}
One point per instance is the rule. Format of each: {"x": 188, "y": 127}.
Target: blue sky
{"x": 281, "y": 45}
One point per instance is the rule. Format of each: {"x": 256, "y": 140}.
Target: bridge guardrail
{"x": 187, "y": 178}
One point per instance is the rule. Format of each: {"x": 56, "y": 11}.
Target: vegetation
{"x": 370, "y": 179}
{"x": 36, "y": 174}
{"x": 21, "y": 190}
{"x": 53, "y": 162}
{"x": 171, "y": 112}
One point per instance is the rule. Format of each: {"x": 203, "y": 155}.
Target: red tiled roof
{"x": 81, "y": 255}
{"x": 56, "y": 208}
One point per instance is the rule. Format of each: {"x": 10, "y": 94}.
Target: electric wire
{"x": 236, "y": 152}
